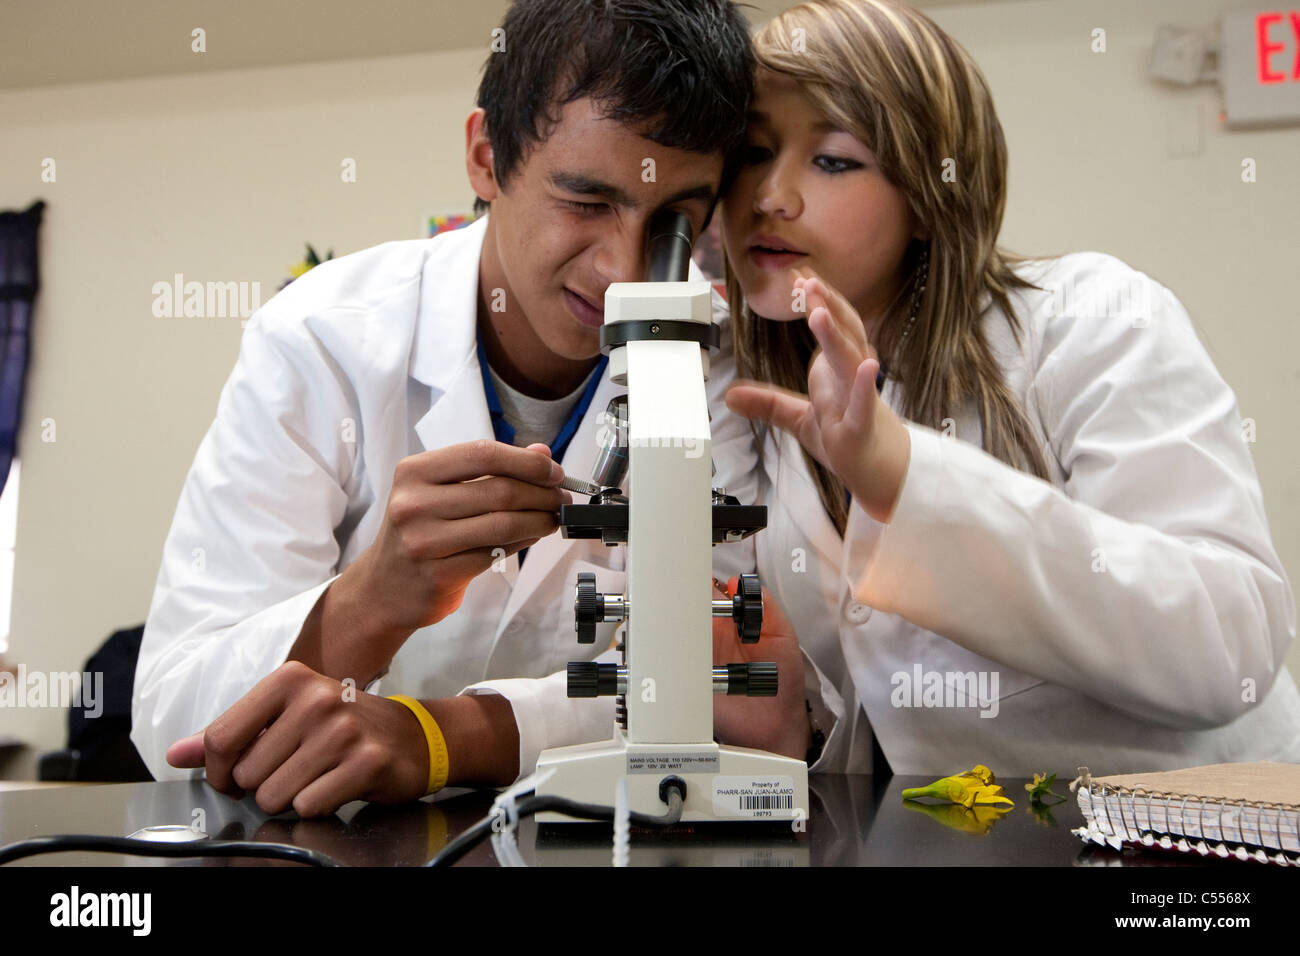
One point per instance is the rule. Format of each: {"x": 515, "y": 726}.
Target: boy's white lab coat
{"x": 1134, "y": 610}
{"x": 364, "y": 361}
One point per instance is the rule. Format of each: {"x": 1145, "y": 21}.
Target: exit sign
{"x": 1259, "y": 67}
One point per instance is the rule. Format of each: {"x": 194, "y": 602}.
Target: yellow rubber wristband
{"x": 438, "y": 758}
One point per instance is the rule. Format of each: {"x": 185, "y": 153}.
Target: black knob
{"x": 763, "y": 680}
{"x": 747, "y": 609}
{"x": 588, "y": 608}
{"x": 592, "y": 679}
{"x": 751, "y": 680}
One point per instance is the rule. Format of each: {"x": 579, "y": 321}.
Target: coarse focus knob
{"x": 747, "y": 608}
{"x": 592, "y": 679}
{"x": 587, "y": 610}
{"x": 763, "y": 681}
{"x": 752, "y": 680}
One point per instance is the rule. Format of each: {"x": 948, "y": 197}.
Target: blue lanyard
{"x": 505, "y": 432}
{"x": 570, "y": 426}
{"x": 501, "y": 428}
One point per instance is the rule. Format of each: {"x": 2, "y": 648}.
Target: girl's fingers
{"x": 860, "y": 412}
{"x": 784, "y": 409}
{"x": 840, "y": 306}
{"x": 767, "y": 403}
{"x": 843, "y": 354}
{"x": 846, "y": 318}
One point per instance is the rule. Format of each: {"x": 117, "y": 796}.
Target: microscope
{"x": 658, "y": 335}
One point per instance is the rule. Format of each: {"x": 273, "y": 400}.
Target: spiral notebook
{"x": 1247, "y": 811}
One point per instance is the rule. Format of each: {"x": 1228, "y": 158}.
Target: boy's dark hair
{"x": 683, "y": 67}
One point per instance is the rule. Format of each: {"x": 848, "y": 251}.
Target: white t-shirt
{"x": 535, "y": 419}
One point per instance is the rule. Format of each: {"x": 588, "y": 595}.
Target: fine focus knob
{"x": 592, "y": 679}
{"x": 747, "y": 609}
{"x": 586, "y": 608}
{"x": 751, "y": 680}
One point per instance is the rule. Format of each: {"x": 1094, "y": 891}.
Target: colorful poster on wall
{"x": 438, "y": 223}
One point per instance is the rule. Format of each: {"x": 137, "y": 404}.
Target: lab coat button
{"x": 857, "y": 613}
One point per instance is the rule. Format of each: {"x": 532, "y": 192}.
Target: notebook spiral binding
{"x": 1228, "y": 832}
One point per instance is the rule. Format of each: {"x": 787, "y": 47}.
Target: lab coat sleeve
{"x": 252, "y": 546}
{"x": 1150, "y": 582}
{"x": 546, "y": 716}
{"x": 827, "y": 708}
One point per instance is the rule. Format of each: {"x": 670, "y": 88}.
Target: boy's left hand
{"x": 302, "y": 740}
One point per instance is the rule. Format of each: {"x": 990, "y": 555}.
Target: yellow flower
{"x": 974, "y": 786}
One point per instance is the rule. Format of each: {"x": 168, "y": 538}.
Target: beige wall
{"x": 219, "y": 177}
{"x": 223, "y": 176}
{"x": 1088, "y": 137}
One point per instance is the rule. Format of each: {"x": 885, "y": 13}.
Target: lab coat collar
{"x": 443, "y": 355}
{"x": 444, "y": 340}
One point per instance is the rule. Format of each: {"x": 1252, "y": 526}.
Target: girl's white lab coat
{"x": 1134, "y": 611}
{"x": 361, "y": 362}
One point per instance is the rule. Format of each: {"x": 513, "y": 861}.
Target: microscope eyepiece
{"x": 670, "y": 247}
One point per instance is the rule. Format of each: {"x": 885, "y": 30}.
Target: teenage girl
{"x": 1011, "y": 512}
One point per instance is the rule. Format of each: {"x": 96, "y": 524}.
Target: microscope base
{"x": 723, "y": 783}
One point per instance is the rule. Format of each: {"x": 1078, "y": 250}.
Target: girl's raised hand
{"x": 836, "y": 324}
{"x": 841, "y": 422}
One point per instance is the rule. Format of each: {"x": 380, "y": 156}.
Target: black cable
{"x": 83, "y": 842}
{"x": 453, "y": 851}
{"x": 475, "y": 835}
{"x": 458, "y": 847}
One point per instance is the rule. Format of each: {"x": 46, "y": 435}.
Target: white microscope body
{"x": 656, "y": 334}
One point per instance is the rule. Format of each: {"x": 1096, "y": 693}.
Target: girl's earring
{"x": 921, "y": 277}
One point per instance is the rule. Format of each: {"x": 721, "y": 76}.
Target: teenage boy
{"x": 378, "y": 493}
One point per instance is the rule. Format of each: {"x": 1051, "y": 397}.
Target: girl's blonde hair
{"x": 889, "y": 76}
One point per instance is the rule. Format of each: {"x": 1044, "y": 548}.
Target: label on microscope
{"x": 736, "y": 796}
{"x": 672, "y": 762}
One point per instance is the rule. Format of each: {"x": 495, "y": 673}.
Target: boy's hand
{"x": 450, "y": 515}
{"x": 302, "y": 740}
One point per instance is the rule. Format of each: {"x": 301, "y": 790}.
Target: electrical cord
{"x": 84, "y": 842}
{"x": 673, "y": 790}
